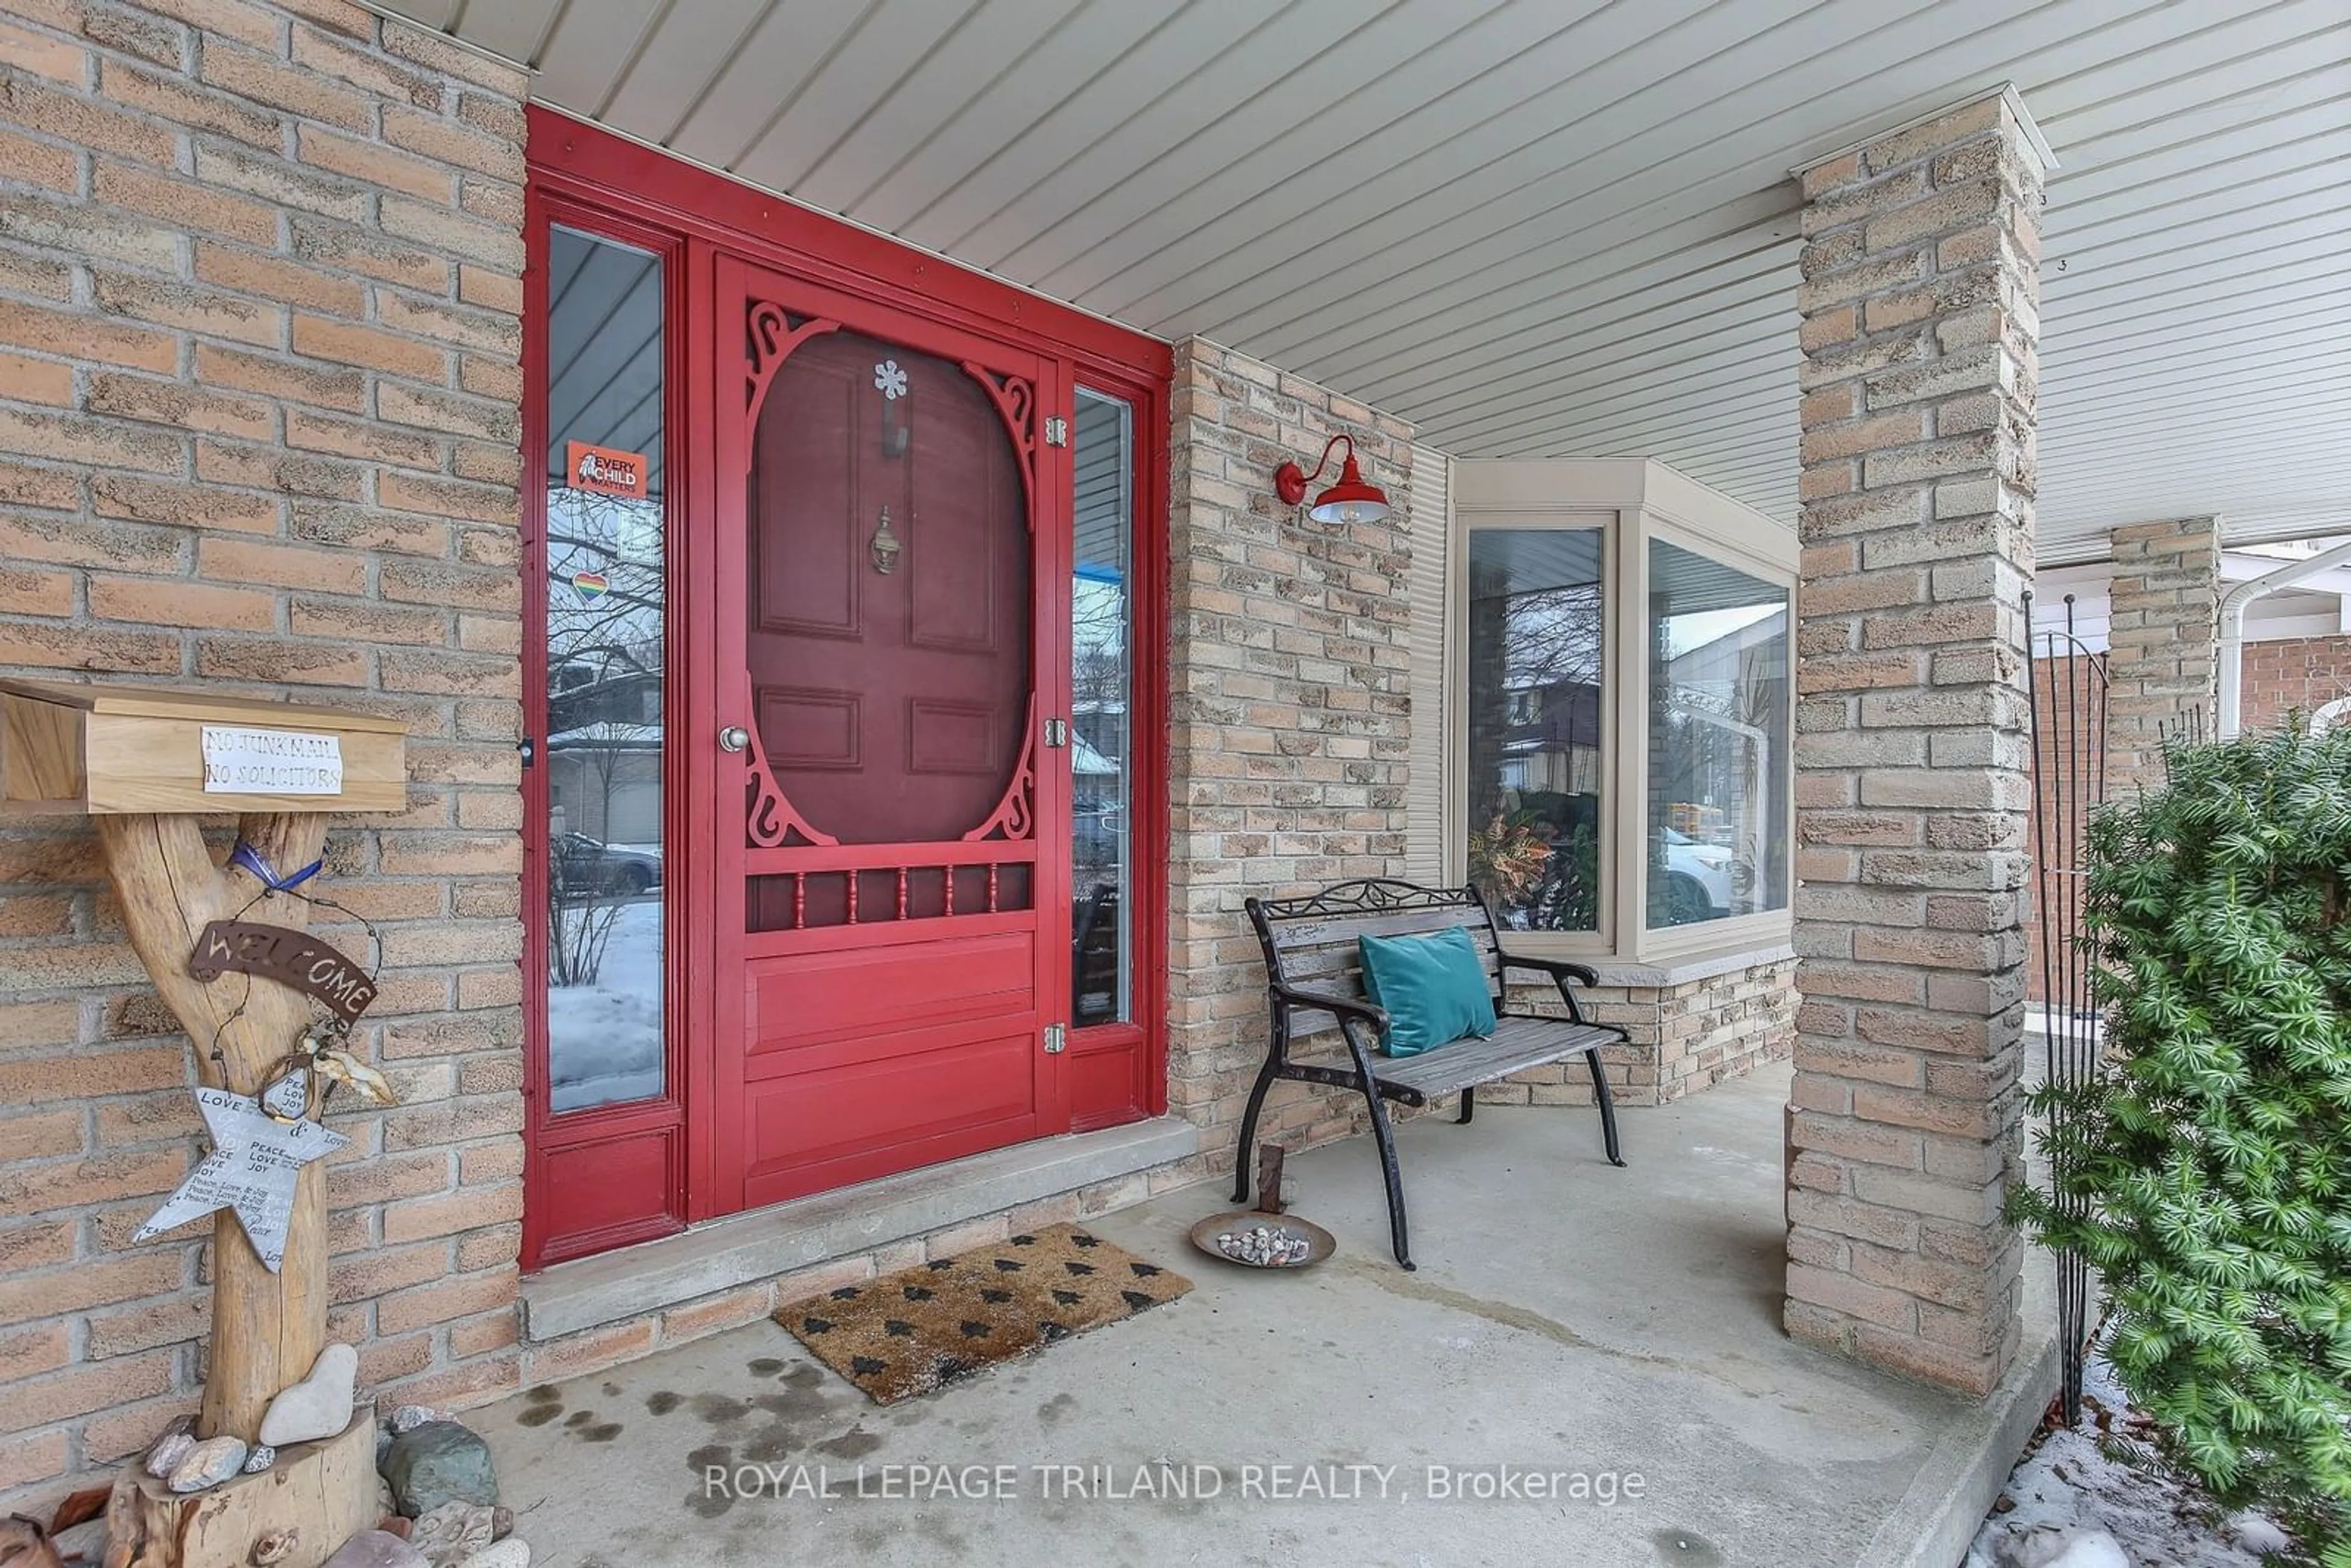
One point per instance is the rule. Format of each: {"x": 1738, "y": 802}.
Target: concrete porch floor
{"x": 1566, "y": 1317}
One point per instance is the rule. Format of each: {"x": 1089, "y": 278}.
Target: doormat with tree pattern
{"x": 923, "y": 1328}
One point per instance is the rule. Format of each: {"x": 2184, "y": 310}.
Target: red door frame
{"x": 647, "y": 1137}
{"x": 591, "y": 179}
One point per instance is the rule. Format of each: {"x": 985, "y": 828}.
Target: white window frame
{"x": 1609, "y": 526}
{"x": 1725, "y": 547}
{"x": 1633, "y": 503}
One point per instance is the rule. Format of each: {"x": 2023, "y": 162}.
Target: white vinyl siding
{"x": 1425, "y": 818}
{"x": 1584, "y": 237}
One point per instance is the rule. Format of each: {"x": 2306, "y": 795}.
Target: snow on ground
{"x": 604, "y": 1040}
{"x": 2069, "y": 1505}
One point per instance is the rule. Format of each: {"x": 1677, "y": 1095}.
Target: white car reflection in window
{"x": 1713, "y": 868}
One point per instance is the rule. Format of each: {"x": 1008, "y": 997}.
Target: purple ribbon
{"x": 247, "y": 858}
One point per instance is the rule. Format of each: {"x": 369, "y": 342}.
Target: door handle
{"x": 734, "y": 738}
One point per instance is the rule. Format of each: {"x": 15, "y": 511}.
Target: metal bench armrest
{"x": 1558, "y": 969}
{"x": 1339, "y": 1006}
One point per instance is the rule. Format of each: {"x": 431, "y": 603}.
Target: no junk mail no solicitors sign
{"x": 73, "y": 750}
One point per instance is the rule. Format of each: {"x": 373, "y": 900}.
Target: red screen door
{"x": 888, "y": 587}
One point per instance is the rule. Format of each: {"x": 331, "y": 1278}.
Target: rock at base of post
{"x": 323, "y": 1493}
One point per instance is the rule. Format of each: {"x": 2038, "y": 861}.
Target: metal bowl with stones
{"x": 1256, "y": 1239}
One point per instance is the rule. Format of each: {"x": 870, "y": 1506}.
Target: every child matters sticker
{"x": 606, "y": 470}
{"x": 241, "y": 761}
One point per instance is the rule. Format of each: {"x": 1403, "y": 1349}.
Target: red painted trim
{"x": 708, "y": 779}
{"x": 773, "y": 343}
{"x": 1148, "y": 738}
{"x": 772, "y": 816}
{"x": 546, "y": 1238}
{"x": 603, "y": 184}
{"x": 624, "y": 177}
{"x": 1056, "y": 479}
{"x": 1016, "y": 815}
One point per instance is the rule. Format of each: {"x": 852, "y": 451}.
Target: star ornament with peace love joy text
{"x": 251, "y": 1171}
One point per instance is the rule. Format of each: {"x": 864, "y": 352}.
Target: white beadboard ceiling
{"x": 1564, "y": 227}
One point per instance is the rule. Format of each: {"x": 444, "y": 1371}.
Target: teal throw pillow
{"x": 1433, "y": 988}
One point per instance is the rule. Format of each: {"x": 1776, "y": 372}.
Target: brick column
{"x": 1290, "y": 727}
{"x": 1919, "y": 321}
{"x": 2164, "y": 643}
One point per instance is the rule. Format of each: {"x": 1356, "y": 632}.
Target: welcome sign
{"x": 290, "y": 957}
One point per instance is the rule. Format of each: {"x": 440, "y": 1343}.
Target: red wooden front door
{"x": 890, "y": 601}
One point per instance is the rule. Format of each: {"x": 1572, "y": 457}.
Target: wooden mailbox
{"x": 147, "y": 765}
{"x": 106, "y": 750}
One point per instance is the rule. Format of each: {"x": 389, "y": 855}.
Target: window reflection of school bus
{"x": 1695, "y": 820}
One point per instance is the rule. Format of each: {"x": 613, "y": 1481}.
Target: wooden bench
{"x": 1313, "y": 968}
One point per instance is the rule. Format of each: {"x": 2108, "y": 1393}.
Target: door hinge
{"x": 1056, "y": 733}
{"x": 1056, "y": 1038}
{"x": 1057, "y": 430}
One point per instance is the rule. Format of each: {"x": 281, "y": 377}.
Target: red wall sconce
{"x": 1348, "y": 501}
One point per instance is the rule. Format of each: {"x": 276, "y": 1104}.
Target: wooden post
{"x": 147, "y": 765}
{"x": 266, "y": 1328}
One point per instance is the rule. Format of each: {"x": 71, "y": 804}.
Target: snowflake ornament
{"x": 890, "y": 380}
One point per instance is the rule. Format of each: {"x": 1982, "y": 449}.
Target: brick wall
{"x": 1919, "y": 335}
{"x": 2163, "y": 642}
{"x": 1723, "y": 1027}
{"x": 1290, "y": 711}
{"x": 2297, "y": 673}
{"x": 2164, "y": 661}
{"x": 259, "y": 266}
{"x": 1682, "y": 1038}
{"x": 2164, "y": 665}
{"x": 258, "y": 394}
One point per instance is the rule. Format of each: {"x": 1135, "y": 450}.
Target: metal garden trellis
{"x": 2069, "y": 768}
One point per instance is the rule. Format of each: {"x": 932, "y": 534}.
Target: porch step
{"x": 743, "y": 1248}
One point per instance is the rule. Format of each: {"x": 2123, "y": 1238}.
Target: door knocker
{"x": 885, "y": 547}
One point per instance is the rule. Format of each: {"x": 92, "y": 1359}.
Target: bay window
{"x": 1616, "y": 709}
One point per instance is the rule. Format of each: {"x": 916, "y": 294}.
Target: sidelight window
{"x": 1102, "y": 689}
{"x": 606, "y": 603}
